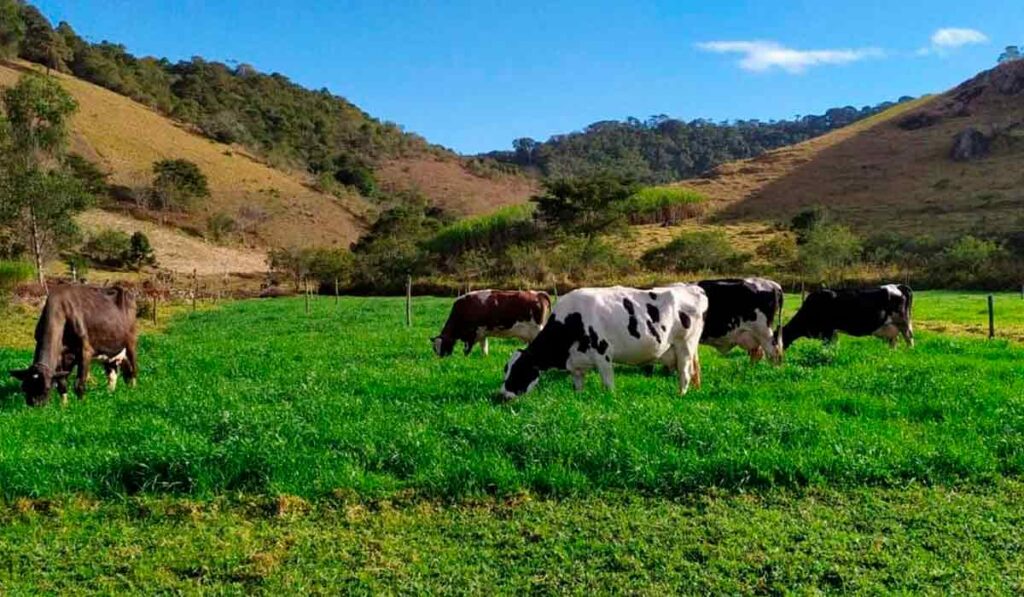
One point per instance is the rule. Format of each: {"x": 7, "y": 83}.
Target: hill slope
{"x": 124, "y": 138}
{"x": 893, "y": 171}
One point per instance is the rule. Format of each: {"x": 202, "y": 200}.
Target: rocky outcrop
{"x": 970, "y": 144}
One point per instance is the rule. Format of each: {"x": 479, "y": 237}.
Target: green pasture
{"x": 266, "y": 450}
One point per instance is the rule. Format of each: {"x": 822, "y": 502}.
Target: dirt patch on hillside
{"x": 175, "y": 250}
{"x": 449, "y": 184}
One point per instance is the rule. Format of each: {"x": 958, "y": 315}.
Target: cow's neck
{"x": 50, "y": 338}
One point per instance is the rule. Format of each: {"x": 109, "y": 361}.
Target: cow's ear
{"x": 19, "y": 374}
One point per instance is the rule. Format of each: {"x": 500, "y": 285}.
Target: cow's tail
{"x": 909, "y": 306}
{"x": 777, "y": 336}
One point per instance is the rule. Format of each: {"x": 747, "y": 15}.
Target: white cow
{"x": 592, "y": 328}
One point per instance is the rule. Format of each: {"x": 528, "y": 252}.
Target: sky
{"x": 473, "y": 75}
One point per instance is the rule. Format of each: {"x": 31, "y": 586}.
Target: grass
{"x": 268, "y": 451}
{"x": 663, "y": 204}
{"x": 483, "y": 232}
{"x": 257, "y": 397}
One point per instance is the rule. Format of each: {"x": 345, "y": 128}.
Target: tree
{"x": 178, "y": 184}
{"x": 585, "y": 206}
{"x": 12, "y": 28}
{"x": 42, "y": 44}
{"x": 38, "y": 195}
{"x": 829, "y": 247}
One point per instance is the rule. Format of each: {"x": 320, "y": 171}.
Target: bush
{"x": 585, "y": 206}
{"x": 324, "y": 266}
{"x": 13, "y": 273}
{"x": 781, "y": 251}
{"x": 807, "y": 220}
{"x": 828, "y": 248}
{"x": 351, "y": 171}
{"x": 665, "y": 205}
{"x": 93, "y": 180}
{"x": 708, "y": 251}
{"x": 116, "y": 249}
{"x": 589, "y": 258}
{"x": 220, "y": 226}
{"x": 177, "y": 185}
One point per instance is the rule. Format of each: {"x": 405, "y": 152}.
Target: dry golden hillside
{"x": 883, "y": 174}
{"x": 276, "y": 208}
{"x": 448, "y": 184}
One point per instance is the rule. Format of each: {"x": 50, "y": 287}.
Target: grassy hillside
{"x": 877, "y": 175}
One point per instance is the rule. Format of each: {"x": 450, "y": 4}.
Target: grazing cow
{"x": 478, "y": 315}
{"x": 80, "y": 324}
{"x": 884, "y": 312}
{"x": 742, "y": 313}
{"x": 69, "y": 362}
{"x": 596, "y": 327}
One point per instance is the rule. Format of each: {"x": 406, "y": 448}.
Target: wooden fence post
{"x": 195, "y": 288}
{"x": 336, "y": 294}
{"x": 156, "y": 301}
{"x": 991, "y": 319}
{"x": 408, "y": 301}
{"x": 305, "y": 285}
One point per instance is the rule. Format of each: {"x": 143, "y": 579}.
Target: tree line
{"x": 662, "y": 149}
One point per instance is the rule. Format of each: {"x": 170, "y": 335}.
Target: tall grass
{"x": 657, "y": 205}
{"x": 506, "y": 226}
{"x": 13, "y": 273}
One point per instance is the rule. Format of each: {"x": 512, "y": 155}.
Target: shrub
{"x": 220, "y": 226}
{"x": 93, "y": 180}
{"x": 178, "y": 184}
{"x": 827, "y": 248}
{"x": 779, "y": 250}
{"x": 323, "y": 265}
{"x": 109, "y": 248}
{"x": 666, "y": 205}
{"x": 585, "y": 206}
{"x": 807, "y": 220}
{"x": 353, "y": 172}
{"x": 696, "y": 251}
{"x": 116, "y": 249}
{"x": 588, "y": 258}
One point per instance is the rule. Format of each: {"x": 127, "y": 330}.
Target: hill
{"x": 894, "y": 172}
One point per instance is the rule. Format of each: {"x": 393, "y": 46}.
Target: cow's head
{"x": 443, "y": 345}
{"x": 36, "y": 382}
{"x": 521, "y": 374}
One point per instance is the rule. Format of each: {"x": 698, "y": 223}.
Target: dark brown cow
{"x": 80, "y": 324}
{"x": 475, "y": 316}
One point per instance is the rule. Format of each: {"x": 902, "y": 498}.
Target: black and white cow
{"x": 884, "y": 312}
{"x": 592, "y": 328}
{"x": 741, "y": 312}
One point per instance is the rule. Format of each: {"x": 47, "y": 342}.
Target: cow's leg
{"x": 907, "y": 331}
{"x": 684, "y": 365}
{"x": 468, "y": 346}
{"x": 607, "y": 372}
{"x": 130, "y": 364}
{"x": 111, "y": 369}
{"x": 756, "y": 354}
{"x": 577, "y": 379}
{"x": 84, "y": 360}
{"x": 696, "y": 371}
{"x": 484, "y": 348}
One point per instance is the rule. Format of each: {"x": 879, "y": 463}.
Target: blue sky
{"x": 473, "y": 75}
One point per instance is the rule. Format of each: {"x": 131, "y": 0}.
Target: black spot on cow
{"x": 654, "y": 332}
{"x": 653, "y": 313}
{"x": 601, "y": 346}
{"x": 634, "y": 324}
{"x": 684, "y": 319}
{"x": 653, "y": 296}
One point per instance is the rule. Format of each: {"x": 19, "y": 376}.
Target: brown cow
{"x": 80, "y": 324}
{"x": 475, "y": 316}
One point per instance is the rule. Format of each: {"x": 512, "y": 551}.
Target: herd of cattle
{"x": 589, "y": 328}
{"x": 596, "y": 328}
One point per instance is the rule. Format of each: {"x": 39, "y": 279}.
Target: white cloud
{"x": 765, "y": 55}
{"x": 951, "y": 38}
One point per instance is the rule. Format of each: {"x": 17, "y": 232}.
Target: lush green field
{"x": 813, "y": 474}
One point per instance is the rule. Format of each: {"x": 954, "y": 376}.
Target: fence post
{"x": 156, "y": 301}
{"x": 336, "y": 299}
{"x": 1022, "y": 292}
{"x": 305, "y": 285}
{"x": 408, "y": 301}
{"x": 991, "y": 319}
{"x": 195, "y": 288}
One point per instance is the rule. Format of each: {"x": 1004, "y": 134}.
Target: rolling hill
{"x": 893, "y": 172}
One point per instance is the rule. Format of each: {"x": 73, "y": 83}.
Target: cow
{"x": 476, "y": 316}
{"x": 741, "y": 312}
{"x": 80, "y": 324}
{"x": 884, "y": 312}
{"x": 596, "y": 327}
